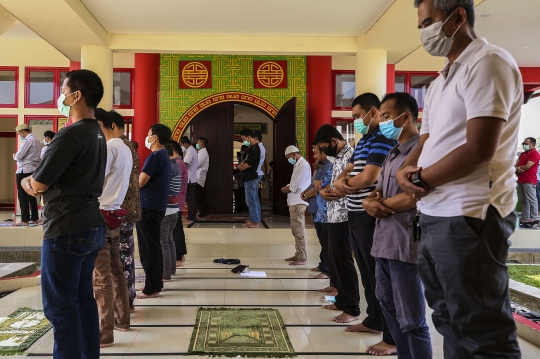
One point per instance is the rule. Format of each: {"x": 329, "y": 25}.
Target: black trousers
{"x": 200, "y": 200}
{"x": 179, "y": 239}
{"x": 148, "y": 236}
{"x": 28, "y": 203}
{"x": 191, "y": 202}
{"x": 362, "y": 229}
{"x": 322, "y": 233}
{"x": 462, "y": 263}
{"x": 341, "y": 267}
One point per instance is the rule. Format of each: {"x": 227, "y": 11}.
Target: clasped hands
{"x": 375, "y": 208}
{"x": 342, "y": 186}
{"x": 26, "y": 184}
{"x": 404, "y": 178}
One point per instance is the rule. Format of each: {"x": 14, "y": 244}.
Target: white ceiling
{"x": 20, "y": 32}
{"x": 512, "y": 25}
{"x": 239, "y": 17}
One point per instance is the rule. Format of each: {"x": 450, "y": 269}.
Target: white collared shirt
{"x": 192, "y": 161}
{"x": 300, "y": 180}
{"x": 29, "y": 155}
{"x": 484, "y": 81}
{"x": 203, "y": 164}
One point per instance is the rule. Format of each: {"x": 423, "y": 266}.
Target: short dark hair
{"x": 89, "y": 83}
{"x": 117, "y": 119}
{"x": 325, "y": 134}
{"x": 449, "y": 6}
{"x": 367, "y": 101}
{"x": 49, "y": 134}
{"x": 204, "y": 140}
{"x": 103, "y": 116}
{"x": 403, "y": 102}
{"x": 162, "y": 132}
{"x": 185, "y": 139}
{"x": 257, "y": 135}
{"x": 532, "y": 139}
{"x": 174, "y": 146}
{"x": 246, "y": 132}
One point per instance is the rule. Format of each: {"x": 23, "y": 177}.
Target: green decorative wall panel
{"x": 231, "y": 73}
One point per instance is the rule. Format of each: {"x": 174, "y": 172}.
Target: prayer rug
{"x": 21, "y": 329}
{"x": 231, "y": 332}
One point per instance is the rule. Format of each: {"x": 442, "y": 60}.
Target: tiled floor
{"x": 163, "y": 326}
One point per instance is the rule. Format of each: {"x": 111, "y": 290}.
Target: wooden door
{"x": 216, "y": 123}
{"x": 284, "y": 135}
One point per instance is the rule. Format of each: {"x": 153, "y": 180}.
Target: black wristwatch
{"x": 418, "y": 182}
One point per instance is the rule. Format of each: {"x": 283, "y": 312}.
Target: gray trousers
{"x": 529, "y": 203}
{"x": 462, "y": 263}
{"x": 167, "y": 245}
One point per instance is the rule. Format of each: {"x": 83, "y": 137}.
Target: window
{"x": 344, "y": 89}
{"x": 122, "y": 88}
{"x": 128, "y": 127}
{"x": 415, "y": 83}
{"x": 42, "y": 123}
{"x": 43, "y": 86}
{"x": 9, "y": 80}
{"x": 346, "y": 127}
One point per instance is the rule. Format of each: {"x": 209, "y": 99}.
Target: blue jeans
{"x": 401, "y": 293}
{"x": 67, "y": 264}
{"x": 538, "y": 194}
{"x": 252, "y": 199}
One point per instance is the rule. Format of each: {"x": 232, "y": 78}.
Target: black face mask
{"x": 331, "y": 151}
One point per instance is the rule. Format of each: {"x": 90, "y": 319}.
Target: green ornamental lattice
{"x": 231, "y": 73}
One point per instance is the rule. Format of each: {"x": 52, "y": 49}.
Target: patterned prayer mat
{"x": 21, "y": 329}
{"x": 230, "y": 332}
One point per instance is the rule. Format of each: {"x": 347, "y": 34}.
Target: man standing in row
{"x": 27, "y": 158}
{"x": 357, "y": 181}
{"x": 526, "y": 168}
{"x": 191, "y": 159}
{"x": 47, "y": 138}
{"x": 154, "y": 185}
{"x": 202, "y": 170}
{"x": 110, "y": 288}
{"x": 399, "y": 288}
{"x": 462, "y": 172}
{"x": 300, "y": 181}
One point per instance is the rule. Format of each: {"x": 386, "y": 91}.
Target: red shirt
{"x": 529, "y": 176}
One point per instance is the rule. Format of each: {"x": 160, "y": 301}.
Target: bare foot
{"x": 330, "y": 307}
{"x": 328, "y": 289}
{"x": 345, "y": 318}
{"x": 298, "y": 263}
{"x": 147, "y": 296}
{"x": 316, "y": 269}
{"x": 382, "y": 349}
{"x": 322, "y": 276}
{"x": 361, "y": 328}
{"x": 179, "y": 264}
{"x": 292, "y": 259}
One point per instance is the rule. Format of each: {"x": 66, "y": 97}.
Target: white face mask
{"x": 148, "y": 144}
{"x": 435, "y": 41}
{"x": 45, "y": 142}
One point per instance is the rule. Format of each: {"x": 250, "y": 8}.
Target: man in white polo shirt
{"x": 462, "y": 173}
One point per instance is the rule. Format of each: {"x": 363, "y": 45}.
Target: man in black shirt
{"x": 71, "y": 177}
{"x": 251, "y": 180}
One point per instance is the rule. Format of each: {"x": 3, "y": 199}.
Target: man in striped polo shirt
{"x": 357, "y": 181}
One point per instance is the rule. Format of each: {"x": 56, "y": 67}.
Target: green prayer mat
{"x": 230, "y": 332}
{"x": 21, "y": 329}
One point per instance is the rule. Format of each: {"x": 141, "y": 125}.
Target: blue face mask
{"x": 246, "y": 143}
{"x": 292, "y": 161}
{"x": 197, "y": 146}
{"x": 389, "y": 130}
{"x": 360, "y": 126}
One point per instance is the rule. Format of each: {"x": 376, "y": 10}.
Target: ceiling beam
{"x": 234, "y": 45}
{"x": 65, "y": 24}
{"x": 7, "y": 21}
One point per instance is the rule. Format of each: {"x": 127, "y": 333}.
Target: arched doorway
{"x": 215, "y": 121}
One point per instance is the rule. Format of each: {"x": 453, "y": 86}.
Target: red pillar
{"x": 390, "y": 78}
{"x": 74, "y": 65}
{"x": 319, "y": 96}
{"x": 145, "y": 102}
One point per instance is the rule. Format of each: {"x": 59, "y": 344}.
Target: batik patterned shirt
{"x": 337, "y": 209}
